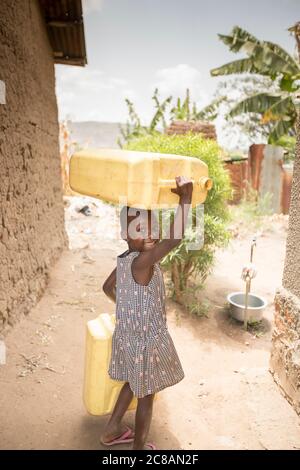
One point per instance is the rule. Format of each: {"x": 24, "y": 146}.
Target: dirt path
{"x": 227, "y": 400}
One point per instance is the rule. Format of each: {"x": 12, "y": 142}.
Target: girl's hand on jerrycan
{"x": 184, "y": 187}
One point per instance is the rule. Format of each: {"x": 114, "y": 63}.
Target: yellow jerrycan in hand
{"x": 143, "y": 178}
{"x": 100, "y": 392}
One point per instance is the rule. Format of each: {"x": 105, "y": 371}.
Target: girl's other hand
{"x": 184, "y": 187}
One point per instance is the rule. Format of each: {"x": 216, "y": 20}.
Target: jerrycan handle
{"x": 204, "y": 182}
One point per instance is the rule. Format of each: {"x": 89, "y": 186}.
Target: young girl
{"x": 143, "y": 353}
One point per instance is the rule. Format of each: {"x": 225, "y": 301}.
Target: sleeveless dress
{"x": 143, "y": 353}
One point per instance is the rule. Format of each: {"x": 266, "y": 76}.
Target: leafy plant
{"x": 242, "y": 130}
{"x": 211, "y": 111}
{"x": 189, "y": 112}
{"x": 185, "y": 111}
{"x": 181, "y": 262}
{"x": 257, "y": 328}
{"x": 270, "y": 60}
{"x": 289, "y": 144}
{"x": 252, "y": 213}
{"x": 255, "y": 206}
{"x": 200, "y": 309}
{"x": 133, "y": 128}
{"x": 160, "y": 112}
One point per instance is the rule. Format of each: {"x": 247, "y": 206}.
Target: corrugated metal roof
{"x": 65, "y": 28}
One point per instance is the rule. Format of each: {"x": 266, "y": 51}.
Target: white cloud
{"x": 175, "y": 80}
{"x": 130, "y": 94}
{"x": 90, "y": 6}
{"x": 118, "y": 81}
{"x": 88, "y": 94}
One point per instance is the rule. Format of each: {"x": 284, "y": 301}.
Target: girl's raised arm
{"x": 147, "y": 258}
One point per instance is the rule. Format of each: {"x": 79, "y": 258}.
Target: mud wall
{"x": 291, "y": 275}
{"x": 31, "y": 209}
{"x": 285, "y": 353}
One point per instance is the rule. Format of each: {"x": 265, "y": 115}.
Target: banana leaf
{"x": 283, "y": 108}
{"x": 210, "y": 111}
{"x": 268, "y": 61}
{"x": 237, "y": 66}
{"x": 259, "y": 103}
{"x": 264, "y": 57}
{"x": 280, "y": 129}
{"x": 281, "y": 52}
{"x": 237, "y": 39}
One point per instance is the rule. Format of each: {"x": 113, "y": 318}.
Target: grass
{"x": 200, "y": 309}
{"x": 252, "y": 213}
{"x": 256, "y": 328}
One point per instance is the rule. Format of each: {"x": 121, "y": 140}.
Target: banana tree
{"x": 183, "y": 110}
{"x": 133, "y": 128}
{"x": 267, "y": 59}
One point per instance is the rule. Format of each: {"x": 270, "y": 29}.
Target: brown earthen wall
{"x": 285, "y": 352}
{"x": 31, "y": 209}
{"x": 291, "y": 275}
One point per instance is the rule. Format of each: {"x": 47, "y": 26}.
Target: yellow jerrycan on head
{"x": 143, "y": 178}
{"x": 100, "y": 392}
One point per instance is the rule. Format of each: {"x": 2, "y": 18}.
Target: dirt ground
{"x": 228, "y": 399}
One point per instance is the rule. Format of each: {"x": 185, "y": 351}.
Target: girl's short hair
{"x": 124, "y": 215}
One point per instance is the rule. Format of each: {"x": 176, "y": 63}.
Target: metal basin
{"x": 256, "y": 306}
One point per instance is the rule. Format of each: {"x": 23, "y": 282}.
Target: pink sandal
{"x": 151, "y": 446}
{"x": 125, "y": 438}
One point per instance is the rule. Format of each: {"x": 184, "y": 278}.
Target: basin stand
{"x": 248, "y": 286}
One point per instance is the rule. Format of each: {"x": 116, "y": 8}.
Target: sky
{"x": 134, "y": 46}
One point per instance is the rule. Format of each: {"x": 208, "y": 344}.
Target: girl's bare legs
{"x": 114, "y": 426}
{"x": 142, "y": 421}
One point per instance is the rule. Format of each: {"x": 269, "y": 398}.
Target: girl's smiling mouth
{"x": 149, "y": 244}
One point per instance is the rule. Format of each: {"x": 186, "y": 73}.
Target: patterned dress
{"x": 143, "y": 353}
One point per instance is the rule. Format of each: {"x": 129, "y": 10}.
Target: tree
{"x": 268, "y": 60}
{"x": 134, "y": 129}
{"x": 295, "y": 30}
{"x": 242, "y": 130}
{"x": 183, "y": 110}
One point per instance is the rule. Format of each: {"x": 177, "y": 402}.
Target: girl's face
{"x": 142, "y": 231}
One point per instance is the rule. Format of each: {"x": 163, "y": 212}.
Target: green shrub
{"x": 181, "y": 262}
{"x": 288, "y": 142}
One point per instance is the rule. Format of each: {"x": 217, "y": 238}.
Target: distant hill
{"x": 94, "y": 133}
